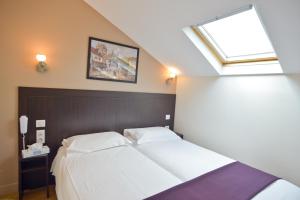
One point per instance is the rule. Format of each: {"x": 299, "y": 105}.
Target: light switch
{"x": 40, "y": 136}
{"x": 168, "y": 117}
{"x": 40, "y": 123}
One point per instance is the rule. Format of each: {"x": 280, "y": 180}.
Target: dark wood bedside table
{"x": 33, "y": 173}
{"x": 179, "y": 134}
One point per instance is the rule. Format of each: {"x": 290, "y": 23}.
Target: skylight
{"x": 237, "y": 38}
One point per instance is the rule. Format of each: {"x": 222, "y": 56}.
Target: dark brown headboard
{"x": 71, "y": 112}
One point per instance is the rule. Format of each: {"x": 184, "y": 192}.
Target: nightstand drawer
{"x": 32, "y": 164}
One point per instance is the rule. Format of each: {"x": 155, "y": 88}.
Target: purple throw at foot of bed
{"x": 235, "y": 181}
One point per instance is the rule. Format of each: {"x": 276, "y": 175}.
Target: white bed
{"x": 104, "y": 166}
{"x": 187, "y": 161}
{"x": 111, "y": 174}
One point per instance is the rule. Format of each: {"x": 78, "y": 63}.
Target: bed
{"x": 188, "y": 161}
{"x": 117, "y": 172}
{"x": 109, "y": 166}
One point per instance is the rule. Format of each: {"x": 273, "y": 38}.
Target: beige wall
{"x": 254, "y": 119}
{"x": 59, "y": 29}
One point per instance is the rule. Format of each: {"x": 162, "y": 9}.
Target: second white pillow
{"x": 150, "y": 134}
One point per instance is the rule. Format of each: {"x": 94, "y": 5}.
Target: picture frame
{"x": 112, "y": 61}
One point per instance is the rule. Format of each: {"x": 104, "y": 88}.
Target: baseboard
{"x": 8, "y": 189}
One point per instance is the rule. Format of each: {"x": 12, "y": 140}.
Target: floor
{"x": 38, "y": 194}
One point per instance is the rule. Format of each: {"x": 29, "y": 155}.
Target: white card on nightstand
{"x": 40, "y": 136}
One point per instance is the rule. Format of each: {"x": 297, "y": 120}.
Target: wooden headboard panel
{"x": 71, "y": 112}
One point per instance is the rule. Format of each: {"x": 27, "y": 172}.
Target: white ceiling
{"x": 157, "y": 25}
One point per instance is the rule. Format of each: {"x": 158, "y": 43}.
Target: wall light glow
{"x": 41, "y": 57}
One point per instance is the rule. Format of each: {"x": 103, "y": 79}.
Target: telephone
{"x": 35, "y": 150}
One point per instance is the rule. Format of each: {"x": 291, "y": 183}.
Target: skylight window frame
{"x": 217, "y": 51}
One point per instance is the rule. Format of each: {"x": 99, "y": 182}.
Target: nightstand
{"x": 180, "y": 135}
{"x": 33, "y": 173}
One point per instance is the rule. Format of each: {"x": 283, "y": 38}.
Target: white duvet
{"x": 120, "y": 173}
{"x": 187, "y": 161}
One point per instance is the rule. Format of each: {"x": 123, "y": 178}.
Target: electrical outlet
{"x": 168, "y": 117}
{"x": 40, "y": 123}
{"x": 40, "y": 136}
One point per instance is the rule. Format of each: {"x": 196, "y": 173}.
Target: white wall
{"x": 254, "y": 119}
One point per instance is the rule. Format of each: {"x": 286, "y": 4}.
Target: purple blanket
{"x": 235, "y": 181}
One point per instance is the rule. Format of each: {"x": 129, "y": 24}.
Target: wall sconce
{"x": 42, "y": 65}
{"x": 172, "y": 75}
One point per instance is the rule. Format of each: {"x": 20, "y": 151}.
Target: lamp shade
{"x": 41, "y": 57}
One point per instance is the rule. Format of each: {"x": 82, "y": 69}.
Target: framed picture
{"x": 112, "y": 61}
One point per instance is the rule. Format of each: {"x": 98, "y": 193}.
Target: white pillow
{"x": 150, "y": 134}
{"x": 94, "y": 142}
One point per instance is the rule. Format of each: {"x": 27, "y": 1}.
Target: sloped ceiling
{"x": 157, "y": 25}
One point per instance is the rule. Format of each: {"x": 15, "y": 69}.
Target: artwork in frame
{"x": 112, "y": 61}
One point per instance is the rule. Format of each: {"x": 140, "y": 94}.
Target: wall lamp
{"x": 172, "y": 75}
{"x": 42, "y": 65}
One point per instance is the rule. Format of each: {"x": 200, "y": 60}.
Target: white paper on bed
{"x": 187, "y": 161}
{"x": 111, "y": 174}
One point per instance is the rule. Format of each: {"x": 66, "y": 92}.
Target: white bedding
{"x": 187, "y": 161}
{"x": 111, "y": 174}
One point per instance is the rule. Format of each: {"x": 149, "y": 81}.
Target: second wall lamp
{"x": 42, "y": 65}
